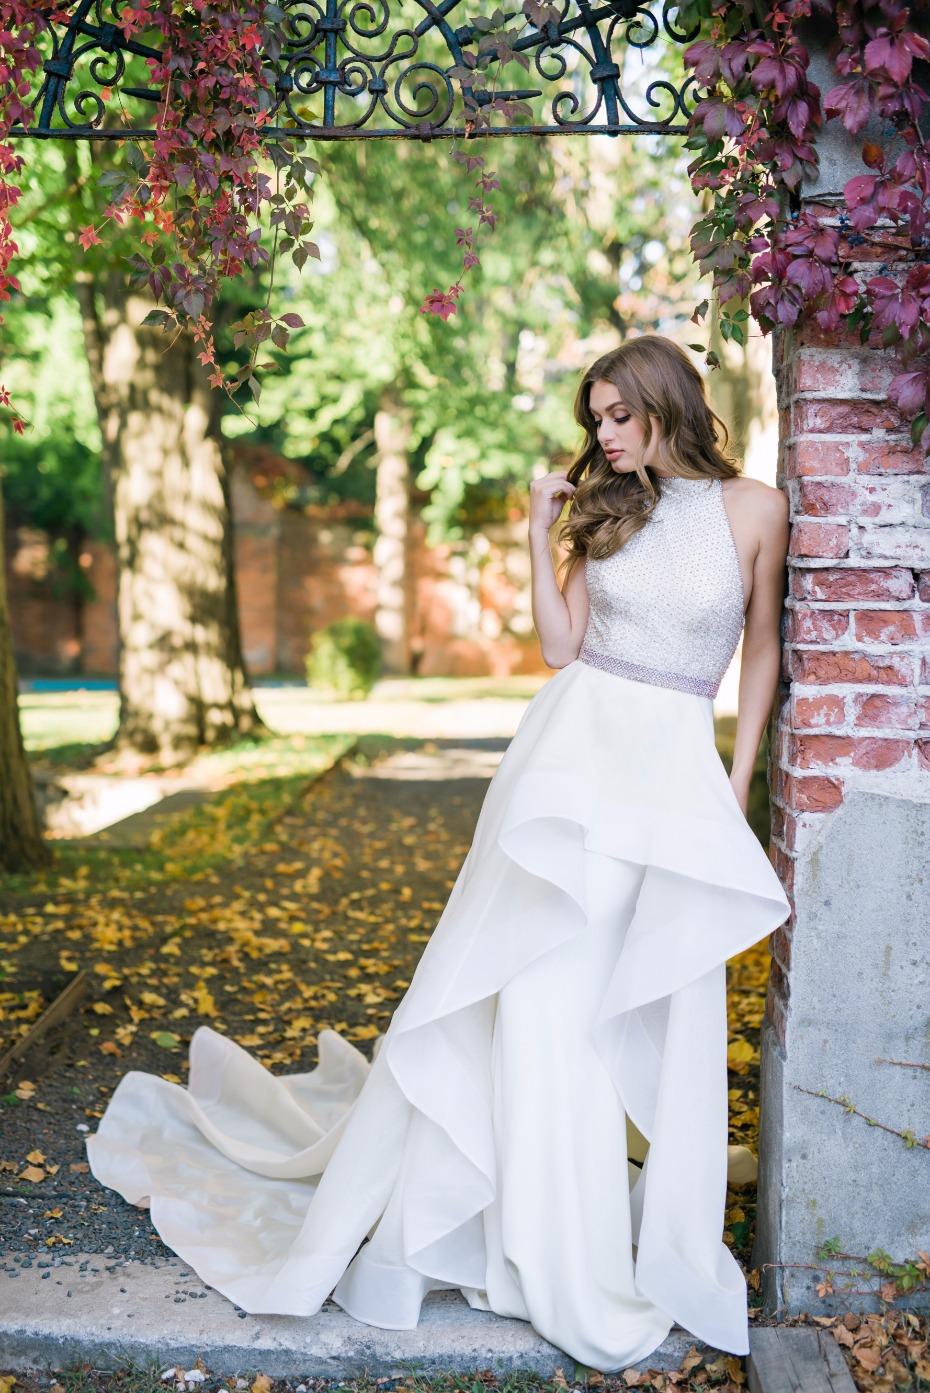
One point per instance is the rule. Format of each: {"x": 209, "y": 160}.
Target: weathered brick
{"x": 887, "y": 626}
{"x": 901, "y": 543}
{"x": 861, "y": 752}
{"x": 811, "y": 668}
{"x": 875, "y": 370}
{"x": 817, "y": 371}
{"x": 813, "y": 793}
{"x": 889, "y": 457}
{"x": 818, "y": 499}
{"x": 827, "y": 539}
{"x": 775, "y": 1013}
{"x": 923, "y": 754}
{"x": 819, "y": 711}
{"x": 890, "y": 709}
{"x": 853, "y": 583}
{"x": 815, "y": 337}
{"x": 923, "y": 587}
{"x": 856, "y": 417}
{"x": 923, "y": 712}
{"x": 813, "y": 456}
{"x": 780, "y": 941}
{"x": 820, "y": 751}
{"x": 818, "y": 625}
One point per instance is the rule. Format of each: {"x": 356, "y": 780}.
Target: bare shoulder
{"x": 758, "y": 502}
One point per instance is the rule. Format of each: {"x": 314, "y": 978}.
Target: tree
{"x": 182, "y": 679}
{"x": 181, "y": 675}
{"x": 21, "y": 843}
{"x": 590, "y": 245}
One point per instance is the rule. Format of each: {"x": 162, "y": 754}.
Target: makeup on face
{"x": 619, "y": 433}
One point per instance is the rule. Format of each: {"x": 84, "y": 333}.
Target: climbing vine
{"x": 207, "y": 181}
{"x": 21, "y": 25}
{"x": 860, "y": 266}
{"x": 754, "y": 133}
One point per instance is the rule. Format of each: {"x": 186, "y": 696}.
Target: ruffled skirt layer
{"x": 572, "y": 995}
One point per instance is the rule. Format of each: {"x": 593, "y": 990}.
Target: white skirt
{"x": 573, "y": 994}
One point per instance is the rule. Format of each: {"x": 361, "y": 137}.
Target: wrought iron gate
{"x": 368, "y": 69}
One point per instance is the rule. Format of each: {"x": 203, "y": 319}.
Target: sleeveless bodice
{"x": 667, "y": 608}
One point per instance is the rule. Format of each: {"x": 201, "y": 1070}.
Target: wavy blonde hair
{"x": 654, "y": 378}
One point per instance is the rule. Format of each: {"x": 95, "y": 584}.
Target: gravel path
{"x": 321, "y": 925}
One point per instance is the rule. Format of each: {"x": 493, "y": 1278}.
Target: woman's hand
{"x": 547, "y": 499}
{"x": 740, "y": 786}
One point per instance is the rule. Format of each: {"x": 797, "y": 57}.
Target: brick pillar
{"x": 850, "y": 982}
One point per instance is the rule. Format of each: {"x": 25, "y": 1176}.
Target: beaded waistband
{"x": 639, "y": 672}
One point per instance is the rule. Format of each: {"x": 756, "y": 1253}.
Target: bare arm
{"x": 761, "y": 656}
{"x": 560, "y": 615}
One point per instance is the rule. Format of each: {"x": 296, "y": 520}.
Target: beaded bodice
{"x": 667, "y": 608}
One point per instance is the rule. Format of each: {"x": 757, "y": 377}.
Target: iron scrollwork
{"x": 366, "y": 69}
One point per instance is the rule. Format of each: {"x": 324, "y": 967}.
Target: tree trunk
{"x": 392, "y": 510}
{"x": 181, "y": 673}
{"x": 22, "y": 847}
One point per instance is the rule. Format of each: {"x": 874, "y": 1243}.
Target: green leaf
{"x": 135, "y": 157}
{"x": 165, "y": 1039}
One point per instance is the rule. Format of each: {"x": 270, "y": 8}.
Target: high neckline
{"x": 676, "y": 481}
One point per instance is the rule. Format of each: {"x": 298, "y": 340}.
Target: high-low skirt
{"x": 571, "y": 1001}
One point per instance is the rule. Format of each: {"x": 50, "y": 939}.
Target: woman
{"x": 570, "y": 1007}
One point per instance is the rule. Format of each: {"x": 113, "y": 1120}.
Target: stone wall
{"x": 855, "y": 700}
{"x": 850, "y": 984}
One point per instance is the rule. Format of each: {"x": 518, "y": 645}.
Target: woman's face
{"x": 619, "y": 434}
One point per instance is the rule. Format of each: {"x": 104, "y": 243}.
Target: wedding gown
{"x": 573, "y": 993}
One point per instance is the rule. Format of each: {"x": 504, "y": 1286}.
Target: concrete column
{"x": 850, "y": 984}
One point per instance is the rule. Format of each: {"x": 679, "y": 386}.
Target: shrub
{"x": 345, "y": 657}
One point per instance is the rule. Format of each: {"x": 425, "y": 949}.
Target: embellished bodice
{"x": 667, "y": 608}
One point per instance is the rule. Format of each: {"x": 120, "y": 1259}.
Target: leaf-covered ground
{"x": 270, "y": 913}
{"x": 278, "y": 908}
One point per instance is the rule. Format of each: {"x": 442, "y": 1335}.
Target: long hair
{"x": 654, "y": 378}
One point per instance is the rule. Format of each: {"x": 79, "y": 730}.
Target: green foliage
{"x": 590, "y": 246}
{"x": 345, "y": 657}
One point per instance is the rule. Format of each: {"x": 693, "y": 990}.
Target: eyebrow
{"x": 618, "y": 402}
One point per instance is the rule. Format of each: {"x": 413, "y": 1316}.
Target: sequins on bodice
{"x": 667, "y": 608}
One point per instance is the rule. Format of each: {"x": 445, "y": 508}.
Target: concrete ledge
{"x": 96, "y": 1310}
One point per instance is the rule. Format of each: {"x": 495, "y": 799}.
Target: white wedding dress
{"x": 572, "y": 993}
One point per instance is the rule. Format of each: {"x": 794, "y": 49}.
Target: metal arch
{"x": 347, "y": 72}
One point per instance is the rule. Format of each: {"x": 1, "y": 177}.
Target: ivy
{"x": 21, "y": 26}
{"x": 211, "y": 176}
{"x": 754, "y": 133}
{"x": 204, "y": 185}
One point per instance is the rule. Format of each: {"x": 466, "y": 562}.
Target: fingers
{"x": 553, "y": 483}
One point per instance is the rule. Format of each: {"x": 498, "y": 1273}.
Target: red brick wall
{"x": 45, "y": 617}
{"x": 295, "y": 574}
{"x": 854, "y": 701}
{"x": 99, "y": 632}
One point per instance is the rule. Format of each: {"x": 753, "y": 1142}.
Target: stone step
{"x": 103, "y": 1311}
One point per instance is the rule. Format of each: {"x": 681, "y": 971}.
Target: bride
{"x": 544, "y": 1125}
